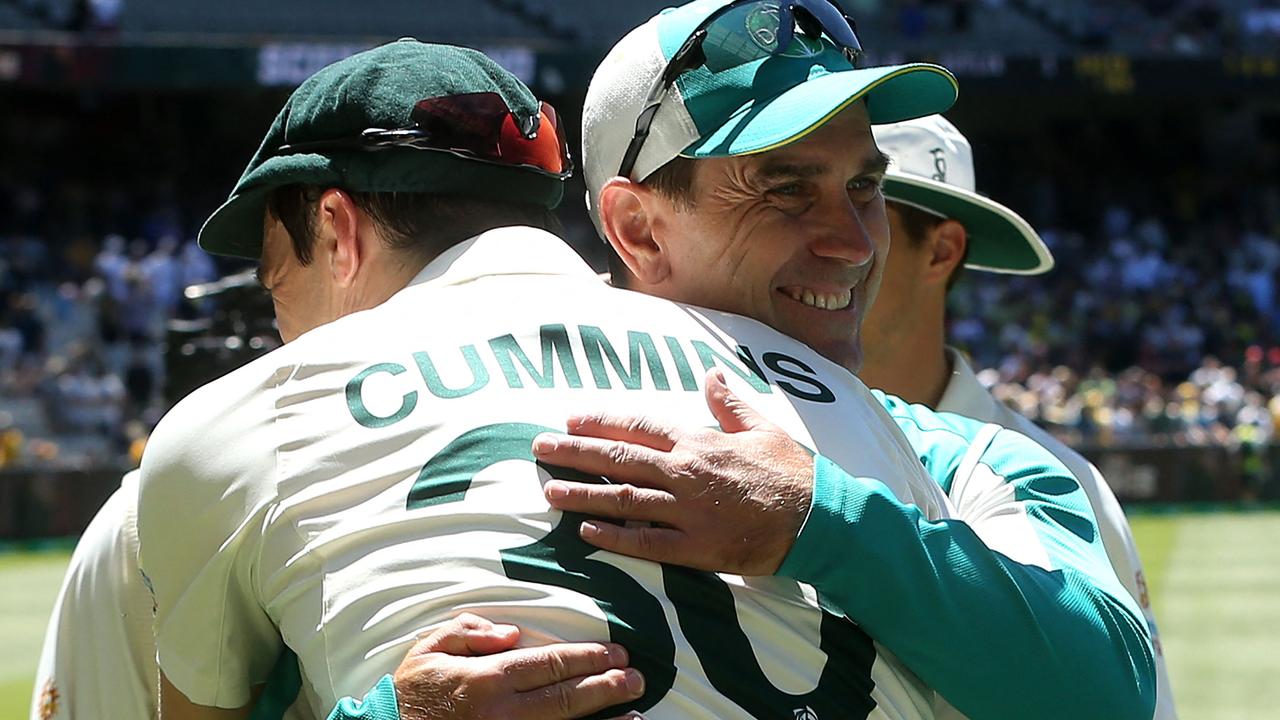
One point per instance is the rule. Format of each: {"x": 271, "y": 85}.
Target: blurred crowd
{"x": 82, "y": 326}
{"x": 1160, "y": 325}
{"x": 1140, "y": 336}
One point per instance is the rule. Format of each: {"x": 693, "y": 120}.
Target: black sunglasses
{"x": 736, "y": 34}
{"x": 477, "y": 126}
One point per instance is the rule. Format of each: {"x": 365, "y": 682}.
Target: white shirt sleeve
{"x": 99, "y": 654}
{"x": 207, "y": 483}
{"x": 1122, "y": 550}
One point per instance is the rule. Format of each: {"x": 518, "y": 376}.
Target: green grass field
{"x": 1214, "y": 579}
{"x": 29, "y": 583}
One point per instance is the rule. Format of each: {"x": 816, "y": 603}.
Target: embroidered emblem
{"x": 49, "y": 700}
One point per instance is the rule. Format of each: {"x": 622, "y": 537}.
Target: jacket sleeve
{"x": 379, "y": 704}
{"x": 1013, "y": 611}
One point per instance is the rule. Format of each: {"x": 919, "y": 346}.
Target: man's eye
{"x": 864, "y": 189}
{"x": 788, "y": 190}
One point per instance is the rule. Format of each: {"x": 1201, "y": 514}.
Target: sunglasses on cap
{"x": 475, "y": 126}
{"x": 739, "y": 33}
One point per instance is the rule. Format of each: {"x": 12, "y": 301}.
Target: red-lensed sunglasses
{"x": 476, "y": 126}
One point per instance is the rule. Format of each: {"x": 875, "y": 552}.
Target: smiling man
{"x": 782, "y": 237}
{"x": 712, "y": 187}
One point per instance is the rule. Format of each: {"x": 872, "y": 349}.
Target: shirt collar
{"x": 504, "y": 251}
{"x": 964, "y": 394}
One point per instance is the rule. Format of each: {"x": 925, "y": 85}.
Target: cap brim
{"x": 893, "y": 93}
{"x": 235, "y": 229}
{"x": 999, "y": 239}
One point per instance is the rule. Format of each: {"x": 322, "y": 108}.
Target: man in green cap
{"x": 374, "y": 476}
{"x": 430, "y": 145}
{"x": 99, "y": 658}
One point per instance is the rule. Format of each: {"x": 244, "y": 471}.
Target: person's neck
{"x": 386, "y": 277}
{"x": 917, "y": 370}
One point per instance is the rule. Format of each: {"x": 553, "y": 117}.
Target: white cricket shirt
{"x": 965, "y": 395}
{"x": 373, "y": 478}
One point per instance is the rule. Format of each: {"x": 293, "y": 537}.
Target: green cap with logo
{"x": 751, "y": 108}
{"x": 377, "y": 88}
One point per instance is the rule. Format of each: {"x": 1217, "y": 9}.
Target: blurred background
{"x": 1141, "y": 137}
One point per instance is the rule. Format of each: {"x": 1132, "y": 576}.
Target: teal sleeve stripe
{"x": 283, "y": 686}
{"x": 379, "y": 704}
{"x": 998, "y": 639}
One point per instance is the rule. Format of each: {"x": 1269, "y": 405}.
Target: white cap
{"x": 754, "y": 107}
{"x": 931, "y": 168}
{"x": 615, "y": 98}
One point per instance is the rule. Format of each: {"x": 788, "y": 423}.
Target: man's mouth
{"x": 818, "y": 299}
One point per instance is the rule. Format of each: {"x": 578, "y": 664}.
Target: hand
{"x": 467, "y": 669}
{"x": 729, "y": 501}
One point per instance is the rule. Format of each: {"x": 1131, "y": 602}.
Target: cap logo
{"x": 762, "y": 27}
{"x": 939, "y": 164}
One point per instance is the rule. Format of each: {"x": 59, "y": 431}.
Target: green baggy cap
{"x": 377, "y": 88}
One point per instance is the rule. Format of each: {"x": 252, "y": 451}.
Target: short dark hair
{"x": 673, "y": 181}
{"x": 918, "y": 224}
{"x": 421, "y": 224}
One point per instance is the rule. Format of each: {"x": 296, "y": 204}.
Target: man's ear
{"x": 947, "y": 244}
{"x": 338, "y": 236}
{"x": 626, "y": 214}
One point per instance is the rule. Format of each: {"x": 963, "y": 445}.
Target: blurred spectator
{"x": 104, "y": 15}
{"x": 99, "y": 16}
{"x": 1263, "y": 19}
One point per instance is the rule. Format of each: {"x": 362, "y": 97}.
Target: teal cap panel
{"x": 892, "y": 93}
{"x": 781, "y": 98}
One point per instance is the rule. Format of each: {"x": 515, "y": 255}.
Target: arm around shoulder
{"x": 972, "y": 621}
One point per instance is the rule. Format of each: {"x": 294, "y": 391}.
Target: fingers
{"x": 582, "y": 696}
{"x": 468, "y": 635}
{"x": 620, "y": 502}
{"x": 632, "y": 429}
{"x": 658, "y": 544}
{"x": 618, "y": 461}
{"x": 532, "y": 668}
{"x": 733, "y": 414}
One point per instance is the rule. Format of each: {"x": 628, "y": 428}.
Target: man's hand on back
{"x": 467, "y": 669}
{"x": 730, "y": 501}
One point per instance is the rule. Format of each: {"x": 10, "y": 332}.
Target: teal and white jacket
{"x": 1011, "y": 610}
{"x": 1035, "y": 622}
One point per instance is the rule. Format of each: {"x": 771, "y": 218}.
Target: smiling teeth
{"x": 822, "y": 301}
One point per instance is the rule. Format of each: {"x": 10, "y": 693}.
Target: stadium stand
{"x": 459, "y": 22}
{"x": 1157, "y": 328}
{"x": 903, "y": 26}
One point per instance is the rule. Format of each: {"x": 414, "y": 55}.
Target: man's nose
{"x": 843, "y": 235}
